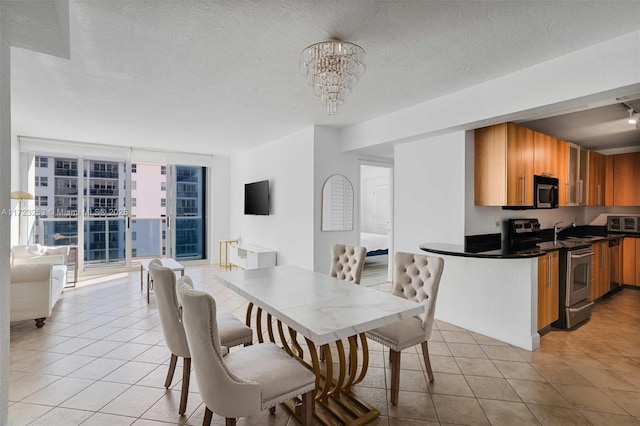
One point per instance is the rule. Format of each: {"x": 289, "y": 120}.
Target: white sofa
{"x": 36, "y": 253}
{"x": 37, "y": 281}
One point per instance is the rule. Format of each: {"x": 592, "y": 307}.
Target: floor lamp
{"x": 20, "y": 196}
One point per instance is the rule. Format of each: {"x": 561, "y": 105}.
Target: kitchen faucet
{"x": 557, "y": 230}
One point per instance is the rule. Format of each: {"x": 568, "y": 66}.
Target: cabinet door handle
{"x": 550, "y": 267}
{"x": 580, "y": 192}
{"x": 599, "y": 197}
{"x": 524, "y": 183}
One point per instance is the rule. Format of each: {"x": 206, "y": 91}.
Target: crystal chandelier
{"x": 332, "y": 69}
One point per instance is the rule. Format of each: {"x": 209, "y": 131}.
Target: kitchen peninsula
{"x": 510, "y": 294}
{"x": 493, "y": 293}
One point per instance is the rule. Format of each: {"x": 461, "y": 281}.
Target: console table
{"x": 248, "y": 256}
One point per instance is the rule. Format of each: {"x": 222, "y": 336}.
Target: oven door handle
{"x": 580, "y": 256}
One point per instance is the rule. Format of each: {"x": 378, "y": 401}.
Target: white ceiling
{"x": 220, "y": 77}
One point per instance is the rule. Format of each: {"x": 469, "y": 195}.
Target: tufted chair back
{"x": 222, "y": 391}
{"x": 164, "y": 283}
{"x": 417, "y": 278}
{"x": 347, "y": 262}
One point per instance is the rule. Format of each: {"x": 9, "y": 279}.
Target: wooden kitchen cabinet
{"x": 631, "y": 261}
{"x": 608, "y": 180}
{"x": 573, "y": 175}
{"x": 600, "y": 270}
{"x": 548, "y": 288}
{"x": 595, "y": 180}
{"x": 504, "y": 156}
{"x": 545, "y": 155}
{"x": 562, "y": 153}
{"x": 626, "y": 175}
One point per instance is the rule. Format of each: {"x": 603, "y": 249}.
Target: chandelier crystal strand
{"x": 332, "y": 68}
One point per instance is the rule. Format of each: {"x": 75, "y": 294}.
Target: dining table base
{"x": 335, "y": 376}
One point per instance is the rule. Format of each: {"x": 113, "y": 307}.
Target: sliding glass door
{"x": 105, "y": 213}
{"x": 120, "y": 212}
{"x": 189, "y": 212}
{"x": 148, "y": 210}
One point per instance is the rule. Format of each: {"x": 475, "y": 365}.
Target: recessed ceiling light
{"x": 633, "y": 118}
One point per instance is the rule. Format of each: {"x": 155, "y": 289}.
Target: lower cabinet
{"x": 548, "y": 288}
{"x": 631, "y": 261}
{"x": 600, "y": 270}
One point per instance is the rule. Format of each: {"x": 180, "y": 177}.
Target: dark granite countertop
{"x": 569, "y": 243}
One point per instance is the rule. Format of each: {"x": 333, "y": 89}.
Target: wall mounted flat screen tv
{"x": 256, "y": 198}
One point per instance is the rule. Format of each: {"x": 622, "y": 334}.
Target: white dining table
{"x": 324, "y": 310}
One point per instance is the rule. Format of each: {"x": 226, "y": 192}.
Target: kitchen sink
{"x": 582, "y": 239}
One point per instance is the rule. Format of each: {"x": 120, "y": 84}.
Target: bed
{"x": 376, "y": 244}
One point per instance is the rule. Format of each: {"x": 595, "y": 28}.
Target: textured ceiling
{"x": 222, "y": 76}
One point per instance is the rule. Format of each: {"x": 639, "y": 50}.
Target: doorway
{"x": 376, "y": 222}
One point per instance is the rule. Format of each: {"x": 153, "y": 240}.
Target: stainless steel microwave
{"x": 545, "y": 192}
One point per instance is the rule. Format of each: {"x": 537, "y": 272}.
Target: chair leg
{"x": 395, "y": 376}
{"x": 172, "y": 369}
{"x": 272, "y": 410}
{"x": 427, "y": 362}
{"x": 208, "y": 415}
{"x": 184, "y": 394}
{"x": 230, "y": 421}
{"x": 307, "y": 408}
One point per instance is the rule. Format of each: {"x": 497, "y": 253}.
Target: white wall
{"x": 5, "y": 224}
{"x": 429, "y": 192}
{"x": 218, "y": 216}
{"x": 494, "y": 297}
{"x": 328, "y": 160}
{"x": 597, "y": 73}
{"x": 288, "y": 165}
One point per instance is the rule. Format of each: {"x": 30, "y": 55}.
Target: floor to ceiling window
{"x": 86, "y": 202}
{"x": 105, "y": 213}
{"x": 189, "y": 212}
{"x": 148, "y": 211}
{"x": 56, "y": 195}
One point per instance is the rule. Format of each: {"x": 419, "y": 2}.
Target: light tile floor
{"x": 101, "y": 360}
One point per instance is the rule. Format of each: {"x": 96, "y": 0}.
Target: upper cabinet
{"x": 608, "y": 180}
{"x": 596, "y": 182}
{"x": 545, "y": 155}
{"x": 562, "y": 150}
{"x": 507, "y": 156}
{"x": 573, "y": 175}
{"x": 504, "y": 165}
{"x": 584, "y": 176}
{"x": 626, "y": 175}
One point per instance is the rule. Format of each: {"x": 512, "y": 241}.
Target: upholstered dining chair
{"x": 347, "y": 262}
{"x": 243, "y": 382}
{"x": 232, "y": 331}
{"x": 417, "y": 278}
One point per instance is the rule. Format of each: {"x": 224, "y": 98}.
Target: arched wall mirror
{"x": 337, "y": 204}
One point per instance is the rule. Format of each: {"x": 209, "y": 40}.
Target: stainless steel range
{"x": 575, "y": 269}
{"x": 575, "y": 287}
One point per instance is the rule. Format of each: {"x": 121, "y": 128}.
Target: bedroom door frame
{"x": 386, "y": 165}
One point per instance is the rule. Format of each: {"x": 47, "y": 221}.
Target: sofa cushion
{"x": 57, "y": 259}
{"x": 22, "y": 251}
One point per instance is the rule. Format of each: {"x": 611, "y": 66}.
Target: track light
{"x": 633, "y": 119}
